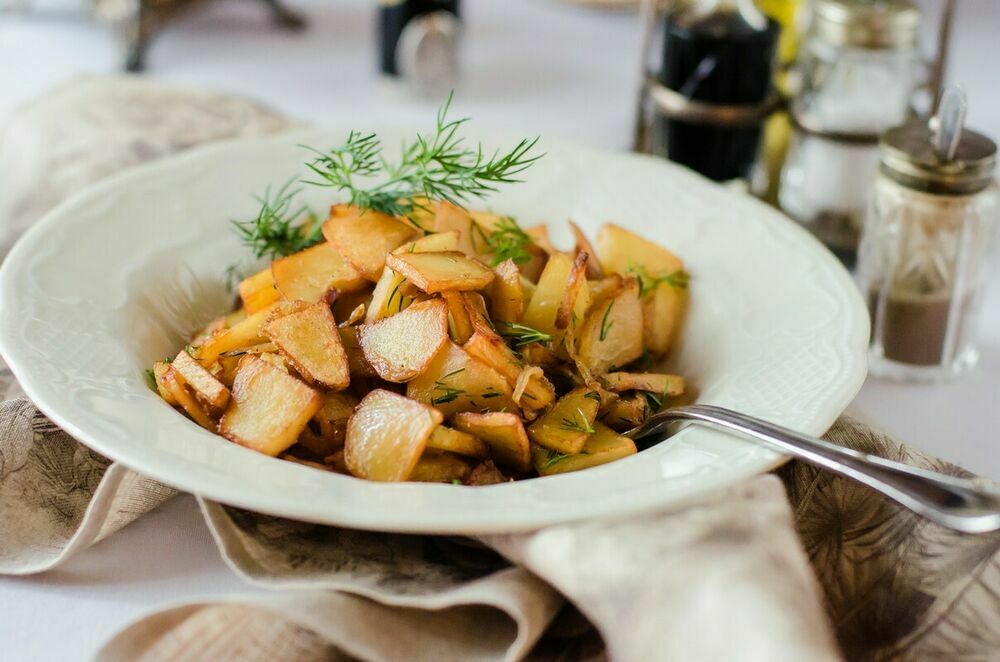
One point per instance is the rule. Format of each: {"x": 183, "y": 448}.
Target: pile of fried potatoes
{"x": 391, "y": 351}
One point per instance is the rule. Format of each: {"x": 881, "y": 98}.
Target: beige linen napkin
{"x": 727, "y": 579}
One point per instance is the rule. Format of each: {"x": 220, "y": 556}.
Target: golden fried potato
{"x": 507, "y": 300}
{"x": 365, "y": 237}
{"x": 626, "y": 252}
{"x": 238, "y": 336}
{"x": 439, "y": 272}
{"x": 269, "y": 408}
{"x": 594, "y": 269}
{"x": 668, "y": 385}
{"x": 310, "y": 341}
{"x": 387, "y": 435}
{"x": 160, "y": 370}
{"x": 400, "y": 347}
{"x": 490, "y": 348}
{"x": 440, "y": 467}
{"x": 447, "y": 439}
{"x": 326, "y": 432}
{"x": 311, "y": 274}
{"x": 258, "y": 291}
{"x": 611, "y": 336}
{"x": 504, "y": 432}
{"x": 576, "y": 297}
{"x": 627, "y": 412}
{"x": 486, "y": 473}
{"x": 566, "y": 426}
{"x": 210, "y": 391}
{"x": 178, "y": 390}
{"x": 389, "y": 295}
{"x": 456, "y": 382}
{"x": 604, "y": 446}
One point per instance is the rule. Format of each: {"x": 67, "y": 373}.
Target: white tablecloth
{"x": 530, "y": 65}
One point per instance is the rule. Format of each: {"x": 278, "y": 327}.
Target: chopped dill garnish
{"x": 605, "y": 325}
{"x": 523, "y": 335}
{"x": 678, "y": 279}
{"x": 455, "y": 481}
{"x": 594, "y": 395}
{"x": 507, "y": 242}
{"x": 448, "y": 393}
{"x": 490, "y": 394}
{"x": 151, "y": 379}
{"x": 280, "y": 227}
{"x": 552, "y": 457}
{"x": 583, "y": 425}
{"x": 440, "y": 166}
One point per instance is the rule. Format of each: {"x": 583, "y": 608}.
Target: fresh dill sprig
{"x": 605, "y": 325}
{"x": 507, "y": 242}
{"x": 552, "y": 457}
{"x": 440, "y": 166}
{"x": 523, "y": 335}
{"x": 678, "y": 279}
{"x": 455, "y": 481}
{"x": 583, "y": 425}
{"x": 151, "y": 379}
{"x": 593, "y": 395}
{"x": 279, "y": 228}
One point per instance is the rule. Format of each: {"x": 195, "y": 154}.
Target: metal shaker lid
{"x": 427, "y": 51}
{"x": 909, "y": 157}
{"x": 883, "y": 25}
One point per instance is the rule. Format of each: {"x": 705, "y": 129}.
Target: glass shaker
{"x": 925, "y": 247}
{"x": 859, "y": 66}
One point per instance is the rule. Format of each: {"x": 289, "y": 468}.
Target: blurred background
{"x": 574, "y": 70}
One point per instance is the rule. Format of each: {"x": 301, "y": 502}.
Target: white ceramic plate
{"x": 122, "y": 274}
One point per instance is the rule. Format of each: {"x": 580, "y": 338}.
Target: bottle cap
{"x": 910, "y": 155}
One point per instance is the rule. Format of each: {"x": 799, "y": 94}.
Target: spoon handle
{"x": 956, "y": 503}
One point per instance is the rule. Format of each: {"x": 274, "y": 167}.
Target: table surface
{"x": 529, "y": 66}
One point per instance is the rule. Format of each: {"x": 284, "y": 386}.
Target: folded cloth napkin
{"x": 799, "y": 565}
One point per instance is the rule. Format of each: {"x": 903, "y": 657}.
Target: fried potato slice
{"x": 389, "y": 296}
{"x": 594, "y": 269}
{"x": 553, "y": 292}
{"x": 178, "y": 390}
{"x": 536, "y": 393}
{"x": 623, "y": 251}
{"x": 454, "y": 441}
{"x": 456, "y": 382}
{"x": 209, "y": 390}
{"x": 269, "y": 408}
{"x": 576, "y": 297}
{"x": 566, "y": 426}
{"x": 400, "y": 347}
{"x": 311, "y": 274}
{"x": 365, "y": 237}
{"x": 627, "y": 412}
{"x": 459, "y": 321}
{"x": 612, "y": 333}
{"x": 160, "y": 370}
{"x": 238, "y": 336}
{"x": 507, "y": 299}
{"x": 355, "y": 355}
{"x": 387, "y": 435}
{"x": 604, "y": 446}
{"x": 310, "y": 341}
{"x": 453, "y": 218}
{"x": 258, "y": 291}
{"x": 438, "y": 272}
{"x": 440, "y": 467}
{"x": 504, "y": 432}
{"x": 668, "y": 385}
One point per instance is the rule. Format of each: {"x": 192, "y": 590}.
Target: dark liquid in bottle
{"x": 717, "y": 58}
{"x": 393, "y": 17}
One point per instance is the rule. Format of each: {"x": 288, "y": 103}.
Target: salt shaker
{"x": 926, "y": 243}
{"x": 859, "y": 66}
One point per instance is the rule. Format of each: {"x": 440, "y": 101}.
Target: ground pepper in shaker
{"x": 926, "y": 243}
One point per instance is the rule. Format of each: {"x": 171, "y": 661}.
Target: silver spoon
{"x": 956, "y": 503}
